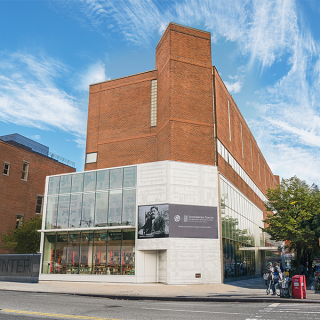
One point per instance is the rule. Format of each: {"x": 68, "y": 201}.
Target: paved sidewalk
{"x": 252, "y": 290}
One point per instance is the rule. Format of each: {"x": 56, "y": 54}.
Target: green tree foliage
{"x": 294, "y": 216}
{"x": 24, "y": 239}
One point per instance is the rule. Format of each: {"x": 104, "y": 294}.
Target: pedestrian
{"x": 277, "y": 275}
{"x": 268, "y": 276}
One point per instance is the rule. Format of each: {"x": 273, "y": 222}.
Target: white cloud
{"x": 36, "y": 137}
{"x": 29, "y": 96}
{"x": 94, "y": 73}
{"x": 234, "y": 87}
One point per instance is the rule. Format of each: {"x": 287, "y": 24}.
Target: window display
{"x": 95, "y": 252}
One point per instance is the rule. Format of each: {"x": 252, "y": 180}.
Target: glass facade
{"x": 241, "y": 220}
{"x": 86, "y": 205}
{"x": 109, "y": 252}
{"x": 92, "y": 199}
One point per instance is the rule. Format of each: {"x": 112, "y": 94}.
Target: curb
{"x": 177, "y": 298}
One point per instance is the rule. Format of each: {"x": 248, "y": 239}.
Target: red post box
{"x": 299, "y": 287}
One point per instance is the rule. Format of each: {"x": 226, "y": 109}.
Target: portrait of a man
{"x": 153, "y": 221}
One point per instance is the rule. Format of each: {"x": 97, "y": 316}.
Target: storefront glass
{"x": 114, "y": 253}
{"x": 100, "y": 253}
{"x": 240, "y": 232}
{"x": 73, "y": 253}
{"x": 90, "y": 252}
{"x": 60, "y": 258}
{"x": 86, "y": 253}
{"x": 48, "y": 252}
{"x": 128, "y": 252}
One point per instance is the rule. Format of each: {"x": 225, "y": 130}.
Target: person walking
{"x": 269, "y": 276}
{"x": 277, "y": 275}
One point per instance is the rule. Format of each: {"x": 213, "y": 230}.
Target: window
{"x": 6, "y": 168}
{"x": 91, "y": 157}
{"x": 251, "y": 154}
{"x": 229, "y": 120}
{"x": 241, "y": 141}
{"x": 259, "y": 167}
{"x": 25, "y": 169}
{"x": 19, "y": 220}
{"x": 39, "y": 204}
{"x": 153, "y": 121}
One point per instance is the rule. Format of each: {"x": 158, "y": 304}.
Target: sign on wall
{"x": 153, "y": 221}
{"x": 177, "y": 221}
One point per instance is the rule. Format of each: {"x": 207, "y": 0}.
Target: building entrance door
{"x": 150, "y": 267}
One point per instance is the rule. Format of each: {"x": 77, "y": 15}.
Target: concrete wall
{"x": 19, "y": 267}
{"x": 179, "y": 259}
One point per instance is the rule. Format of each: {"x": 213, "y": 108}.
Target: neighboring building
{"x": 25, "y": 165}
{"x": 174, "y": 184}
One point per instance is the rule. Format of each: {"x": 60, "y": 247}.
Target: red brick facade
{"x": 19, "y": 197}
{"x": 192, "y": 112}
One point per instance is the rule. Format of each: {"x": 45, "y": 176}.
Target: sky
{"x": 266, "y": 51}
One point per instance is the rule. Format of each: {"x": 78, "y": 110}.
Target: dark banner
{"x": 193, "y": 221}
{"x": 183, "y": 221}
{"x": 19, "y": 267}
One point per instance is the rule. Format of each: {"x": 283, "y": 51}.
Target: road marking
{"x": 55, "y": 315}
{"x": 194, "y": 311}
{"x": 274, "y": 305}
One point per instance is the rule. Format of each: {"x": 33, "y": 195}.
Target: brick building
{"x": 25, "y": 165}
{"x": 186, "y": 178}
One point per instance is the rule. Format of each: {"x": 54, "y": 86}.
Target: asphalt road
{"x": 25, "y": 306}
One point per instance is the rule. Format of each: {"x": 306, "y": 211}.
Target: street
{"x": 19, "y": 305}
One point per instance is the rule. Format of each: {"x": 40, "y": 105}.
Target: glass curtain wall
{"x": 97, "y": 252}
{"x": 92, "y": 199}
{"x": 241, "y": 220}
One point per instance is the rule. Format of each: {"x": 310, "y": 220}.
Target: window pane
{"x": 73, "y": 253}
{"x": 86, "y": 251}
{"x": 77, "y": 183}
{"x": 48, "y": 252}
{"x": 115, "y": 207}
{"x": 100, "y": 253}
{"x": 52, "y": 210}
{"x": 89, "y": 181}
{"x": 75, "y": 211}
{"x": 39, "y": 204}
{"x": 129, "y": 207}
{"x": 87, "y": 219}
{"x": 61, "y": 253}
{"x": 53, "y": 185}
{"x": 102, "y": 201}
{"x": 63, "y": 212}
{"x": 103, "y": 180}
{"x": 116, "y": 176}
{"x": 114, "y": 254}
{"x": 130, "y": 177}
{"x": 65, "y": 184}
{"x": 128, "y": 252}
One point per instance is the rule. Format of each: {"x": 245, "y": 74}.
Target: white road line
{"x": 274, "y": 305}
{"x": 188, "y": 311}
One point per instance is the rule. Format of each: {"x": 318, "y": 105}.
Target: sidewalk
{"x": 252, "y": 290}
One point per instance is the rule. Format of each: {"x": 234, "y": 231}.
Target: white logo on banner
{"x": 176, "y": 218}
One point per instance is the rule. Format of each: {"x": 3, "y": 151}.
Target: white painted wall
{"x": 179, "y": 259}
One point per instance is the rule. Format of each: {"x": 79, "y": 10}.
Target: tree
{"x": 294, "y": 216}
{"x": 24, "y": 239}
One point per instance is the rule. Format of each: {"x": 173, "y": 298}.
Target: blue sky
{"x": 267, "y": 52}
